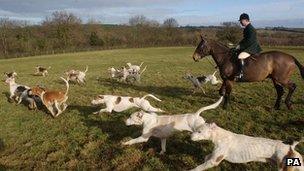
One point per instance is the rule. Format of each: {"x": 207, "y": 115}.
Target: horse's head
{"x": 202, "y": 50}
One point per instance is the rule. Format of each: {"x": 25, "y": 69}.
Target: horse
{"x": 276, "y": 65}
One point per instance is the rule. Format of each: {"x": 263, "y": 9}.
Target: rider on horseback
{"x": 249, "y": 45}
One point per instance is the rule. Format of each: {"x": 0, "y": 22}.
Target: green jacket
{"x": 250, "y": 42}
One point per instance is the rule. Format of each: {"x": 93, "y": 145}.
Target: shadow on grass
{"x": 2, "y": 145}
{"x": 39, "y": 104}
{"x": 299, "y": 124}
{"x": 84, "y": 110}
{"x": 168, "y": 91}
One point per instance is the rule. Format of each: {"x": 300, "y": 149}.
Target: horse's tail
{"x": 300, "y": 66}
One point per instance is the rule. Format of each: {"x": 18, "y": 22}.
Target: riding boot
{"x": 240, "y": 75}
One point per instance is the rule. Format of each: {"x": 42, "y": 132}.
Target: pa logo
{"x": 293, "y": 162}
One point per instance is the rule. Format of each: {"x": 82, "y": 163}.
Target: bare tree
{"x": 170, "y": 22}
{"x": 230, "y": 32}
{"x": 138, "y": 20}
{"x": 152, "y": 23}
{"x": 6, "y": 29}
{"x": 64, "y": 26}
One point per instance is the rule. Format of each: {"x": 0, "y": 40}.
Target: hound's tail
{"x": 141, "y": 64}
{"x": 86, "y": 70}
{"x": 213, "y": 106}
{"x": 143, "y": 70}
{"x": 300, "y": 66}
{"x": 214, "y": 72}
{"x": 67, "y": 85}
{"x": 295, "y": 143}
{"x": 150, "y": 95}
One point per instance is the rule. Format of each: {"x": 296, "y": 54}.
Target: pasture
{"x": 77, "y": 139}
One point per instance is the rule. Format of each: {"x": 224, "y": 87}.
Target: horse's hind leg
{"x": 291, "y": 88}
{"x": 280, "y": 92}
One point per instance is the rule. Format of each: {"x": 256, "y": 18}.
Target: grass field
{"x": 79, "y": 140}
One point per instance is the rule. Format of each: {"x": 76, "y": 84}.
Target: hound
{"x": 55, "y": 101}
{"x": 10, "y": 74}
{"x": 135, "y": 76}
{"x": 199, "y": 81}
{"x": 77, "y": 75}
{"x": 41, "y": 70}
{"x": 119, "y": 103}
{"x": 238, "y": 148}
{"x": 196, "y": 81}
{"x": 135, "y": 68}
{"x": 163, "y": 126}
{"x": 212, "y": 78}
{"x": 20, "y": 93}
{"x": 115, "y": 73}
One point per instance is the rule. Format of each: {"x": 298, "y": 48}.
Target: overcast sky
{"x": 288, "y": 13}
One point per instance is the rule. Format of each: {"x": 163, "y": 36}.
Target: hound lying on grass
{"x": 238, "y": 148}
{"x": 10, "y": 74}
{"x": 163, "y": 126}
{"x": 55, "y": 101}
{"x": 41, "y": 70}
{"x": 77, "y": 75}
{"x": 119, "y": 103}
{"x": 198, "y": 81}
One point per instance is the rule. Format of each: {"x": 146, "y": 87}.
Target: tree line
{"x": 65, "y": 32}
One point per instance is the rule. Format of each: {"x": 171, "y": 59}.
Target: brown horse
{"x": 275, "y": 65}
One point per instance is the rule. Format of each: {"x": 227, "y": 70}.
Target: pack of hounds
{"x": 235, "y": 148}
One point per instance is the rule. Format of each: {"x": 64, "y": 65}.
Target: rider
{"x": 249, "y": 45}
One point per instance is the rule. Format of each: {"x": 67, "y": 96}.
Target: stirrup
{"x": 239, "y": 78}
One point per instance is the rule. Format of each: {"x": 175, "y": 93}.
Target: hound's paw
{"x": 126, "y": 143}
{"x": 162, "y": 152}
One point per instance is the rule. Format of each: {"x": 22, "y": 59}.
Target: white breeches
{"x": 243, "y": 55}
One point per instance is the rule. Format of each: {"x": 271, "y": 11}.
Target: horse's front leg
{"x": 222, "y": 90}
{"x": 225, "y": 91}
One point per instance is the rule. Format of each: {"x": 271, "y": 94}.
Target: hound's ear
{"x": 100, "y": 96}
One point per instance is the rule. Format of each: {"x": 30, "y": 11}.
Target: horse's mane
{"x": 220, "y": 44}
{"x": 231, "y": 54}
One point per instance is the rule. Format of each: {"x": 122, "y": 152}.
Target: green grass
{"x": 79, "y": 140}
